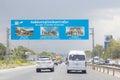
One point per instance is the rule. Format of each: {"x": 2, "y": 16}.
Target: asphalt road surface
{"x": 29, "y": 73}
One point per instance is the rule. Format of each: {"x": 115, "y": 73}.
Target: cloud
{"x": 105, "y": 22}
{"x": 104, "y": 16}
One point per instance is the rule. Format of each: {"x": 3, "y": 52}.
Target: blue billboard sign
{"x": 106, "y": 44}
{"x": 49, "y": 29}
{"x": 108, "y": 38}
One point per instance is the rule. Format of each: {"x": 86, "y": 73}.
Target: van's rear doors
{"x": 77, "y": 61}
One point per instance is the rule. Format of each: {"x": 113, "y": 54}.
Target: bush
{"x": 18, "y": 61}
{"x": 12, "y": 62}
{"x": 4, "y": 61}
{"x": 24, "y": 61}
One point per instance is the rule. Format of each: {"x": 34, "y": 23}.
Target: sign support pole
{"x": 8, "y": 50}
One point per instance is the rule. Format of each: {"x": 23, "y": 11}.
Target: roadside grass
{"x": 14, "y": 64}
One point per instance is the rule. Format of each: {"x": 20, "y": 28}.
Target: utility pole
{"x": 8, "y": 47}
{"x": 93, "y": 43}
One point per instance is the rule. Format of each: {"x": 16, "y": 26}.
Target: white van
{"x": 76, "y": 61}
{"x": 96, "y": 60}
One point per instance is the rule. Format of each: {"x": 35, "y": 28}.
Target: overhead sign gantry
{"x": 50, "y": 29}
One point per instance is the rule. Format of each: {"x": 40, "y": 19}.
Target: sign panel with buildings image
{"x": 49, "y": 31}
{"x": 23, "y": 31}
{"x": 75, "y": 31}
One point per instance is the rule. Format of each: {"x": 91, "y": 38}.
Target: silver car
{"x": 44, "y": 63}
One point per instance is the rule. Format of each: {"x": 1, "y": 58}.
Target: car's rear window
{"x": 77, "y": 57}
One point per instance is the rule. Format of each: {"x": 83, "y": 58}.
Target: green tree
{"x": 113, "y": 50}
{"x": 98, "y": 51}
{"x": 2, "y": 51}
{"x": 20, "y": 52}
{"x": 44, "y": 53}
{"x": 88, "y": 54}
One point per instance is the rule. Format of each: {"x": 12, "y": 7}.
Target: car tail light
{"x": 38, "y": 62}
{"x": 50, "y": 62}
{"x": 68, "y": 63}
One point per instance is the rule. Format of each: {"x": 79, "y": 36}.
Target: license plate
{"x": 76, "y": 64}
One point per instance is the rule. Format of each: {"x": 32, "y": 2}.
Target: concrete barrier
{"x": 114, "y": 71}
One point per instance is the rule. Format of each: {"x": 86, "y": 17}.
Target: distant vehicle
{"x": 101, "y": 62}
{"x": 89, "y": 61}
{"x": 76, "y": 61}
{"x": 96, "y": 60}
{"x": 118, "y": 63}
{"x": 55, "y": 61}
{"x": 110, "y": 62}
{"x": 107, "y": 61}
{"x": 59, "y": 59}
{"x": 66, "y": 61}
{"x": 44, "y": 62}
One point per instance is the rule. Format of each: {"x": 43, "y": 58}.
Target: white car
{"x": 44, "y": 63}
{"x": 111, "y": 62}
{"x": 76, "y": 61}
{"x": 118, "y": 64}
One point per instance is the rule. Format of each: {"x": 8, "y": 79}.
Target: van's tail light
{"x": 85, "y": 64}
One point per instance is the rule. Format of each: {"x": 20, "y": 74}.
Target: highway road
{"x": 29, "y": 73}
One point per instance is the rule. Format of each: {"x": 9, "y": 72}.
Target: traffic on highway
{"x": 59, "y": 39}
{"x": 60, "y": 72}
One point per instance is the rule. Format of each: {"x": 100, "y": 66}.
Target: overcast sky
{"x": 103, "y": 15}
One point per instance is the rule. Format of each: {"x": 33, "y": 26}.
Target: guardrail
{"x": 115, "y": 71}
